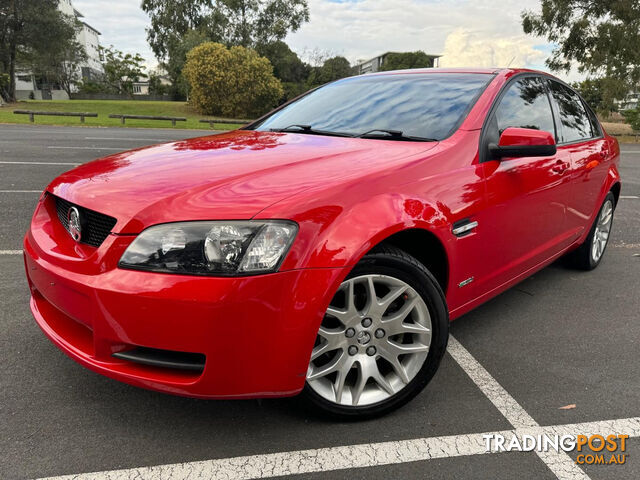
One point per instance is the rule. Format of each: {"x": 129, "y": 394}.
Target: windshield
{"x": 427, "y": 106}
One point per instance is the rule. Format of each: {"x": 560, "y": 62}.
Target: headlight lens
{"x": 211, "y": 248}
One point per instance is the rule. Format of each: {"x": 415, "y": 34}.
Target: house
{"x": 375, "y": 64}
{"x": 143, "y": 85}
{"x": 29, "y": 85}
{"x": 630, "y": 102}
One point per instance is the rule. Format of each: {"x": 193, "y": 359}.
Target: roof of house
{"x": 387, "y": 53}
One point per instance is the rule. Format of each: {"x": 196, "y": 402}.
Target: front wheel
{"x": 382, "y": 337}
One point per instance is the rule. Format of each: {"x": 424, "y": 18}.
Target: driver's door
{"x": 527, "y": 197}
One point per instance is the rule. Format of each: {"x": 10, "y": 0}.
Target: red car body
{"x": 346, "y": 195}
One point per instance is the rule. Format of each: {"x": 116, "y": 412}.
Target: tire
{"x": 585, "y": 257}
{"x": 366, "y": 381}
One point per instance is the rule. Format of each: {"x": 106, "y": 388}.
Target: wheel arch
{"x": 615, "y": 189}
{"x": 424, "y": 246}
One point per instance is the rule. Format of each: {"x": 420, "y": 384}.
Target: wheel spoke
{"x": 338, "y": 385}
{"x": 342, "y": 315}
{"x": 333, "y": 339}
{"x": 404, "y": 348}
{"x": 379, "y": 307}
{"x": 384, "y": 384}
{"x": 325, "y": 370}
{"x": 350, "y": 298}
{"x": 399, "y": 369}
{"x": 395, "y": 325}
{"x": 358, "y": 388}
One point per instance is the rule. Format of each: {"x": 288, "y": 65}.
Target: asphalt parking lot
{"x": 559, "y": 338}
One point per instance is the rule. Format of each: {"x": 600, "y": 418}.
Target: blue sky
{"x": 466, "y": 32}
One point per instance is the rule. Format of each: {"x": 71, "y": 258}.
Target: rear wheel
{"x": 589, "y": 254}
{"x": 382, "y": 337}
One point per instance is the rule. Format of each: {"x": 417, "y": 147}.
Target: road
{"x": 561, "y": 337}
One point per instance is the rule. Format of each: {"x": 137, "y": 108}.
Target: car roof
{"x": 489, "y": 71}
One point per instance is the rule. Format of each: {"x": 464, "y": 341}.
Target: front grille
{"x": 95, "y": 226}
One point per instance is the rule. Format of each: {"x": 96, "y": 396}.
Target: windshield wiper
{"x": 298, "y": 128}
{"x": 383, "y": 133}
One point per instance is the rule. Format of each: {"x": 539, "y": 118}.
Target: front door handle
{"x": 560, "y": 167}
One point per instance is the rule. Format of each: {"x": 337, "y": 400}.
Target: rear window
{"x": 420, "y": 105}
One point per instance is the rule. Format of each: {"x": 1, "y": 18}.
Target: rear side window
{"x": 573, "y": 116}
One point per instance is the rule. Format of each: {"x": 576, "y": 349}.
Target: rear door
{"x": 526, "y": 197}
{"x": 581, "y": 138}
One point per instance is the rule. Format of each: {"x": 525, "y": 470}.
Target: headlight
{"x": 211, "y": 248}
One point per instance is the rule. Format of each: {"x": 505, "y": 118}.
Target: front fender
{"x": 333, "y": 237}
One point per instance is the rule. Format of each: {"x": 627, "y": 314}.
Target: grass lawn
{"x": 106, "y": 107}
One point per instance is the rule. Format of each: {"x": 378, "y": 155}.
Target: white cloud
{"x": 467, "y": 48}
{"x": 466, "y": 32}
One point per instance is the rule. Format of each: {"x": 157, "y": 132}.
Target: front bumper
{"x": 256, "y": 332}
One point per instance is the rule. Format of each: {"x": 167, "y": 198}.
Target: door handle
{"x": 560, "y": 167}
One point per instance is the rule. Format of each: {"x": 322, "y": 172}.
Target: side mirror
{"x": 523, "y": 142}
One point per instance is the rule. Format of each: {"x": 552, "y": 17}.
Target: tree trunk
{"x": 11, "y": 94}
{"x": 11, "y": 97}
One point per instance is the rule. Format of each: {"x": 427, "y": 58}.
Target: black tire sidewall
{"x": 408, "y": 270}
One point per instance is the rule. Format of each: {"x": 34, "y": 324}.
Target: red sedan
{"x": 325, "y": 247}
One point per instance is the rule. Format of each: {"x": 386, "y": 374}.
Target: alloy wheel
{"x": 603, "y": 229}
{"x": 373, "y": 341}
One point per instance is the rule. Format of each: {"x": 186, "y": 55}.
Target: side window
{"x": 525, "y": 105}
{"x": 596, "y": 130}
{"x": 573, "y": 116}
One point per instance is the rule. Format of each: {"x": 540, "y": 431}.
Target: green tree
{"x": 233, "y": 82}
{"x": 62, "y": 65}
{"x": 633, "y": 118}
{"x": 333, "y": 68}
{"x": 287, "y": 66}
{"x": 602, "y": 37}
{"x": 121, "y": 70}
{"x": 597, "y": 93}
{"x": 175, "y": 62}
{"x": 30, "y": 30}
{"x": 406, "y": 60}
{"x": 233, "y": 22}
{"x": 156, "y": 87}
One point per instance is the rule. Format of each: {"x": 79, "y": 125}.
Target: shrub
{"x": 232, "y": 82}
{"x": 633, "y": 118}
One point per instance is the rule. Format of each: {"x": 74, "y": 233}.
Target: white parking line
{"x": 560, "y": 463}
{"x": 629, "y": 197}
{"x": 20, "y": 191}
{"x": 40, "y": 163}
{"x": 359, "y": 456}
{"x": 10, "y": 252}
{"x": 88, "y": 148}
{"x": 505, "y": 403}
